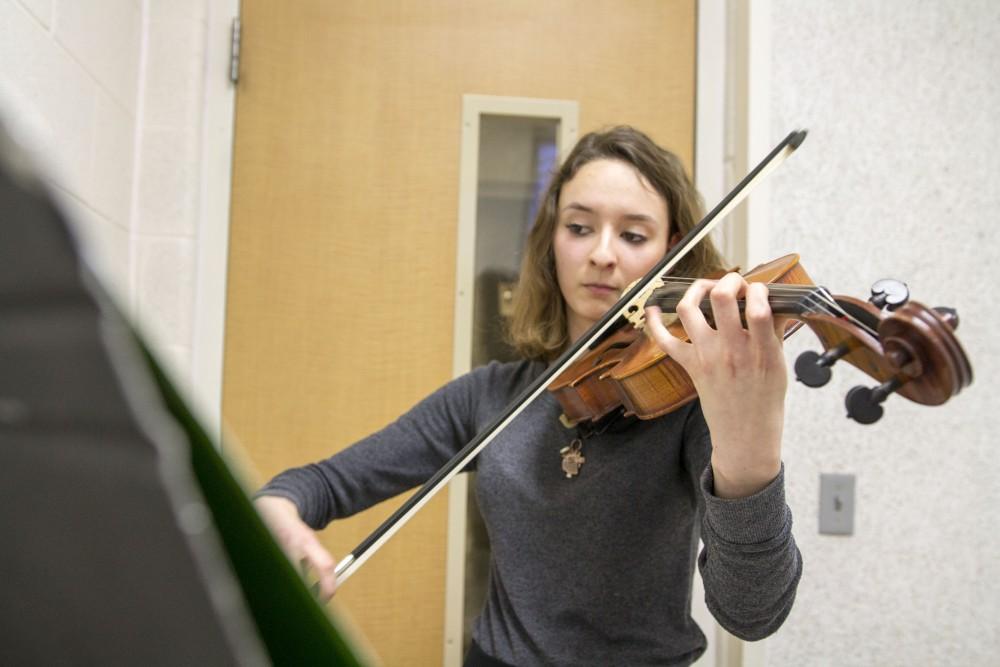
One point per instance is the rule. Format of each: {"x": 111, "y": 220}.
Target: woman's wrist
{"x": 741, "y": 480}
{"x": 274, "y": 505}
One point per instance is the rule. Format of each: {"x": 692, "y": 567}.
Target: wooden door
{"x": 343, "y": 232}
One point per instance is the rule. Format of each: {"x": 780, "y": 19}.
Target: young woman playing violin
{"x": 594, "y": 565}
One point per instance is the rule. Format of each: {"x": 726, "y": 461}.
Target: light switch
{"x": 836, "y": 504}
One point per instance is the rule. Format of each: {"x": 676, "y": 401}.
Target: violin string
{"x": 838, "y": 310}
{"x": 778, "y": 294}
{"x": 811, "y": 298}
{"x": 805, "y": 298}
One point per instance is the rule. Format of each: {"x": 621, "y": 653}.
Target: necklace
{"x": 572, "y": 457}
{"x": 572, "y": 454}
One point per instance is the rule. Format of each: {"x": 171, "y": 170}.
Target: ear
{"x": 673, "y": 240}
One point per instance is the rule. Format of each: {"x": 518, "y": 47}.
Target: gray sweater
{"x": 593, "y": 570}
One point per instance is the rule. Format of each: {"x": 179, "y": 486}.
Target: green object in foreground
{"x": 293, "y": 626}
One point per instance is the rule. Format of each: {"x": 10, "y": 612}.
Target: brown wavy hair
{"x": 538, "y": 328}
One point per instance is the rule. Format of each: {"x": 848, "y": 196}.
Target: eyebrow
{"x": 635, "y": 217}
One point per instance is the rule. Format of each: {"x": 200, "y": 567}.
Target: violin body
{"x": 911, "y": 350}
{"x": 583, "y": 390}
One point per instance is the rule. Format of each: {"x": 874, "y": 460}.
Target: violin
{"x": 912, "y": 350}
{"x": 908, "y": 348}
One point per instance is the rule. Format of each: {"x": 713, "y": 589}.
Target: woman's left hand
{"x": 739, "y": 374}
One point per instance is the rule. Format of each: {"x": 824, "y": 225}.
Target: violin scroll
{"x": 909, "y": 348}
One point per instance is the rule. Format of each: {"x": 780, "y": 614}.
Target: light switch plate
{"x": 836, "y": 504}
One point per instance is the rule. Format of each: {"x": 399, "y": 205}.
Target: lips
{"x": 601, "y": 288}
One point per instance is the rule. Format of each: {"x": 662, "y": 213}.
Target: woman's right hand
{"x": 298, "y": 541}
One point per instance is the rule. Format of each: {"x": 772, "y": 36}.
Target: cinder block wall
{"x": 71, "y": 81}
{"x": 111, "y": 93}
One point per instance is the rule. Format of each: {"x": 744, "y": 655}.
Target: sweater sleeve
{"x": 750, "y": 564}
{"x": 403, "y": 455}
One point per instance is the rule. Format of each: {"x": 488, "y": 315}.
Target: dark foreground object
{"x": 126, "y": 539}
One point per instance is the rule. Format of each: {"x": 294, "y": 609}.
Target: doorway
{"x": 342, "y": 285}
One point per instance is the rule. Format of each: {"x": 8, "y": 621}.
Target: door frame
{"x": 212, "y": 246}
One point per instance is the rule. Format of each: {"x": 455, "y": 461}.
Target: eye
{"x": 577, "y": 229}
{"x": 633, "y": 238}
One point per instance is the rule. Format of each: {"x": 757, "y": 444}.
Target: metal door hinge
{"x": 234, "y": 52}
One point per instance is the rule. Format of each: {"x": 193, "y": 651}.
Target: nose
{"x": 602, "y": 255}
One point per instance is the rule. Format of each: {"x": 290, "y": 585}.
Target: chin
{"x": 592, "y": 310}
{"x": 597, "y": 313}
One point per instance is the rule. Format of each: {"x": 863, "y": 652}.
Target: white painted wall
{"x": 898, "y": 178}
{"x": 129, "y": 106}
{"x": 72, "y": 81}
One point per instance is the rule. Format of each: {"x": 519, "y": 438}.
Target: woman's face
{"x": 612, "y": 228}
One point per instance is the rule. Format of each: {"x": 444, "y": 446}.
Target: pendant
{"x": 572, "y": 458}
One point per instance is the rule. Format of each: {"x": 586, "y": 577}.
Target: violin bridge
{"x": 636, "y": 313}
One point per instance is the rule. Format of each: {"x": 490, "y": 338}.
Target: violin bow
{"x": 631, "y": 301}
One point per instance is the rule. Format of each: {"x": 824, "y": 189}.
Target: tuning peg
{"x": 889, "y": 293}
{"x": 949, "y": 315}
{"x": 813, "y": 370}
{"x": 864, "y": 403}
